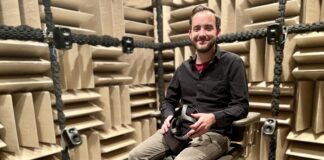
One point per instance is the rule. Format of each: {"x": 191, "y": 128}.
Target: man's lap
{"x": 208, "y": 146}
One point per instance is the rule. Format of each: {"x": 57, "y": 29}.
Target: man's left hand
{"x": 205, "y": 120}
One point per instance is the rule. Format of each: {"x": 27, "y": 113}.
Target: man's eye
{"x": 196, "y": 29}
{"x": 209, "y": 28}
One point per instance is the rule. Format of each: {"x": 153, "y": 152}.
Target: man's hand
{"x": 166, "y": 124}
{"x": 205, "y": 120}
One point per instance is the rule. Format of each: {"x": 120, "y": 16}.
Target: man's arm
{"x": 239, "y": 105}
{"x": 170, "y": 102}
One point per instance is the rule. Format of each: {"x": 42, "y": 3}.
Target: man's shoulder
{"x": 230, "y": 55}
{"x": 184, "y": 65}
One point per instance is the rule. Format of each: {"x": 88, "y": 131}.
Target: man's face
{"x": 203, "y": 32}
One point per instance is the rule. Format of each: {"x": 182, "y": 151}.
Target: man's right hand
{"x": 166, "y": 124}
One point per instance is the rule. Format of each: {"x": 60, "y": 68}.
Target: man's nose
{"x": 202, "y": 32}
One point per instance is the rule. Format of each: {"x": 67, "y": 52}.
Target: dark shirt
{"x": 221, "y": 89}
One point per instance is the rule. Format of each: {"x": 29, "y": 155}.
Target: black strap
{"x": 185, "y": 116}
{"x": 177, "y": 120}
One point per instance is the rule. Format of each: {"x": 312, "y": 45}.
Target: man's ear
{"x": 218, "y": 32}
{"x": 189, "y": 32}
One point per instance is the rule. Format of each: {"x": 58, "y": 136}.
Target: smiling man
{"x": 214, "y": 82}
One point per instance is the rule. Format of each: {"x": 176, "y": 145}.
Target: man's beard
{"x": 209, "y": 46}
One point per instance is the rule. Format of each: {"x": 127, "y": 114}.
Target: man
{"x": 212, "y": 80}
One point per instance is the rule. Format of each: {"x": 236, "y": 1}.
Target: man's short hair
{"x": 201, "y": 8}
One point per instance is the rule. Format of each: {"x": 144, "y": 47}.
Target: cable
{"x": 94, "y": 40}
{"x": 275, "y": 101}
{"x": 24, "y": 32}
{"x": 160, "y": 69}
{"x": 55, "y": 68}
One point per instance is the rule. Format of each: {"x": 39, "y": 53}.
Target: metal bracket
{"x": 270, "y": 126}
{"x": 71, "y": 138}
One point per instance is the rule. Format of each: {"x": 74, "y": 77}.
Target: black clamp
{"x": 71, "y": 138}
{"x": 62, "y": 38}
{"x": 276, "y": 34}
{"x": 128, "y": 44}
{"x": 270, "y": 126}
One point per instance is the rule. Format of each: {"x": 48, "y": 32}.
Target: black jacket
{"x": 221, "y": 88}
